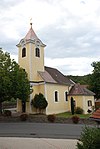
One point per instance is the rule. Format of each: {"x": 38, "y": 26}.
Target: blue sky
{"x": 69, "y": 28}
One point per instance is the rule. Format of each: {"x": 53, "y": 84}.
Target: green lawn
{"x": 69, "y": 115}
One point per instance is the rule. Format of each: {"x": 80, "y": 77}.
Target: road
{"x": 41, "y": 130}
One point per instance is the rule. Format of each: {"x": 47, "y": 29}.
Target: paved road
{"x": 41, "y": 130}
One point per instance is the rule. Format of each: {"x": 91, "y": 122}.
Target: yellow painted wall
{"x": 30, "y": 62}
{"x": 61, "y": 105}
{"x": 81, "y": 101}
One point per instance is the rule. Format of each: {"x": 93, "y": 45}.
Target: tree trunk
{"x": 0, "y": 107}
{"x": 23, "y": 106}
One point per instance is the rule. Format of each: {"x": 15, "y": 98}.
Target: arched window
{"x": 37, "y": 52}
{"x": 56, "y": 96}
{"x": 89, "y": 103}
{"x": 23, "y": 52}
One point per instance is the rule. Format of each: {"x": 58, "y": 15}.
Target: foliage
{"x": 14, "y": 82}
{"x": 51, "y": 118}
{"x": 95, "y": 79}
{"x": 80, "y": 79}
{"x": 39, "y": 102}
{"x": 7, "y": 113}
{"x": 90, "y": 139}
{"x": 72, "y": 105}
{"x": 75, "y": 119}
{"x": 78, "y": 110}
{"x": 23, "y": 116}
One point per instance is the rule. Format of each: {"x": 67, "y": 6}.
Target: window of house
{"x": 56, "y": 96}
{"x": 37, "y": 52}
{"x": 23, "y": 52}
{"x": 89, "y": 103}
{"x": 66, "y": 96}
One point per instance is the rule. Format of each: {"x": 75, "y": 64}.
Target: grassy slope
{"x": 69, "y": 115}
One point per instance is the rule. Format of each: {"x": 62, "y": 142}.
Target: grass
{"x": 69, "y": 115}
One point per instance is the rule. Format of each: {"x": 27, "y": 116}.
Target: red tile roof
{"x": 96, "y": 114}
{"x": 78, "y": 89}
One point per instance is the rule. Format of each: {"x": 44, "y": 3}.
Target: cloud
{"x": 71, "y": 66}
{"x": 70, "y": 29}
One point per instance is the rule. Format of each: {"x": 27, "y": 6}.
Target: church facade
{"x": 56, "y": 88}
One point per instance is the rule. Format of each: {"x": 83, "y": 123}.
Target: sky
{"x": 69, "y": 28}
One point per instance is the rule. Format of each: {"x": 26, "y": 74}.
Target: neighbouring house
{"x": 97, "y": 104}
{"x": 96, "y": 116}
{"x": 56, "y": 88}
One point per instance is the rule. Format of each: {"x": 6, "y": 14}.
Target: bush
{"x": 75, "y": 119}
{"x": 7, "y": 113}
{"x": 51, "y": 118}
{"x": 39, "y": 102}
{"x": 78, "y": 110}
{"x": 23, "y": 116}
{"x": 90, "y": 139}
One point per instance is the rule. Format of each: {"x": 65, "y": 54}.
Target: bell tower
{"x": 31, "y": 54}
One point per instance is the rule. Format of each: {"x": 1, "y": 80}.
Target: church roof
{"x": 30, "y": 37}
{"x": 78, "y": 89}
{"x": 52, "y": 75}
{"x": 31, "y": 34}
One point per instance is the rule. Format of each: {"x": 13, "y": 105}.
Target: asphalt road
{"x": 41, "y": 130}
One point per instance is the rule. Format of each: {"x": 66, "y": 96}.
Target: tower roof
{"x": 31, "y": 34}
{"x": 30, "y": 37}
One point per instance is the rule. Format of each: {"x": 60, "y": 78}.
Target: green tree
{"x": 90, "y": 139}
{"x": 95, "y": 79}
{"x": 20, "y": 87}
{"x": 39, "y": 102}
{"x": 5, "y": 82}
{"x": 14, "y": 82}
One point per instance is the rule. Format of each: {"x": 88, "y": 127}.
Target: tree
{"x": 20, "y": 87}
{"x": 5, "y": 82}
{"x": 14, "y": 82}
{"x": 95, "y": 79}
{"x": 39, "y": 102}
{"x": 89, "y": 139}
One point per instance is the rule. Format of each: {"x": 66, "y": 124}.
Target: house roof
{"x": 52, "y": 75}
{"x": 78, "y": 89}
{"x": 96, "y": 115}
{"x": 97, "y": 100}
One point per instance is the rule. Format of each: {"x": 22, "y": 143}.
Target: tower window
{"x": 37, "y": 52}
{"x": 23, "y": 52}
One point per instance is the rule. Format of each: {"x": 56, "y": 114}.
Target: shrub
{"x": 23, "y": 116}
{"x": 51, "y": 118}
{"x": 7, "y": 113}
{"x": 75, "y": 119}
{"x": 78, "y": 110}
{"x": 90, "y": 139}
{"x": 39, "y": 102}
